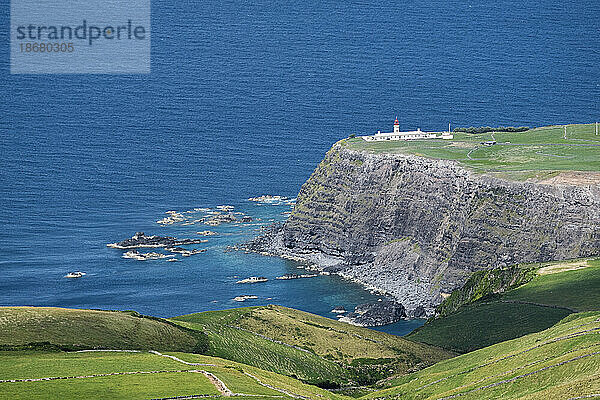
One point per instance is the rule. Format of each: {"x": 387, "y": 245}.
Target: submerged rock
{"x": 207, "y": 233}
{"x": 218, "y": 219}
{"x": 136, "y": 255}
{"x": 267, "y": 199}
{"x": 253, "y": 279}
{"x": 339, "y": 310}
{"x": 376, "y": 314}
{"x": 185, "y": 252}
{"x": 76, "y": 274}
{"x": 245, "y": 297}
{"x": 296, "y": 276}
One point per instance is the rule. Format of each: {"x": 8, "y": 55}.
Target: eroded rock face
{"x": 376, "y": 314}
{"x": 418, "y": 228}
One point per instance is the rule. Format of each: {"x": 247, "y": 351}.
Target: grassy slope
{"x": 532, "y": 154}
{"x": 23, "y": 364}
{"x": 577, "y": 289}
{"x": 529, "y": 366}
{"x": 322, "y": 345}
{"x": 88, "y": 329}
{"x": 480, "y": 325}
{"x": 245, "y": 347}
{"x": 491, "y": 321}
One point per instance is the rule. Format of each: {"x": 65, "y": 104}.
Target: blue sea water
{"x": 244, "y": 99}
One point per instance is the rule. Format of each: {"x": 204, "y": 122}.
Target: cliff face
{"x": 418, "y": 228}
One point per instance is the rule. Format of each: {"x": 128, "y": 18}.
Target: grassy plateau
{"x": 534, "y": 154}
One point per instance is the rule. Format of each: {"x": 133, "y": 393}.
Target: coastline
{"x": 415, "y": 228}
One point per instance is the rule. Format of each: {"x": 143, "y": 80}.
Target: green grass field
{"x": 279, "y": 381}
{"x": 312, "y": 348}
{"x": 510, "y": 315}
{"x": 540, "y": 149}
{"x": 90, "y": 329}
{"x": 558, "y": 363}
{"x": 173, "y": 378}
{"x": 146, "y": 386}
{"x": 35, "y": 364}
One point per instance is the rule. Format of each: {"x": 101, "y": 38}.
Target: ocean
{"x": 244, "y": 99}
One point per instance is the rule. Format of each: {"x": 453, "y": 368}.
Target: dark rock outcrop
{"x": 418, "y": 227}
{"x": 140, "y": 239}
{"x": 376, "y": 314}
{"x": 418, "y": 312}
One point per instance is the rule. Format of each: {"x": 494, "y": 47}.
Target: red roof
{"x": 396, "y": 122}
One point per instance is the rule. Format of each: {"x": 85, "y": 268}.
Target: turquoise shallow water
{"x": 245, "y": 99}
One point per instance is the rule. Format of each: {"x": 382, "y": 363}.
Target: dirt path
{"x": 179, "y": 359}
{"x": 224, "y": 390}
{"x": 221, "y": 386}
{"x": 294, "y": 395}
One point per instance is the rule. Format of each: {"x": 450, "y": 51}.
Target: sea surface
{"x": 244, "y": 99}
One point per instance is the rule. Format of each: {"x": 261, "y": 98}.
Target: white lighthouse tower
{"x": 396, "y": 126}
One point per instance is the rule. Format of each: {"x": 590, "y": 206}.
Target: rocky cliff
{"x": 417, "y": 227}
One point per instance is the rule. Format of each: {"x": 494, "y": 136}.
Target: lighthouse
{"x": 396, "y": 126}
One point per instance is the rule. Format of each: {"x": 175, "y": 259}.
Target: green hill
{"x": 313, "y": 348}
{"x": 487, "y": 316}
{"x": 561, "y": 362}
{"x": 69, "y": 329}
{"x": 536, "y": 328}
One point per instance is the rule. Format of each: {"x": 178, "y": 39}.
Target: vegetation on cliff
{"x": 552, "y": 293}
{"x": 483, "y": 284}
{"x": 486, "y": 129}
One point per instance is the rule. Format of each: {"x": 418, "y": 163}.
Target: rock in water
{"x": 376, "y": 314}
{"x": 140, "y": 239}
